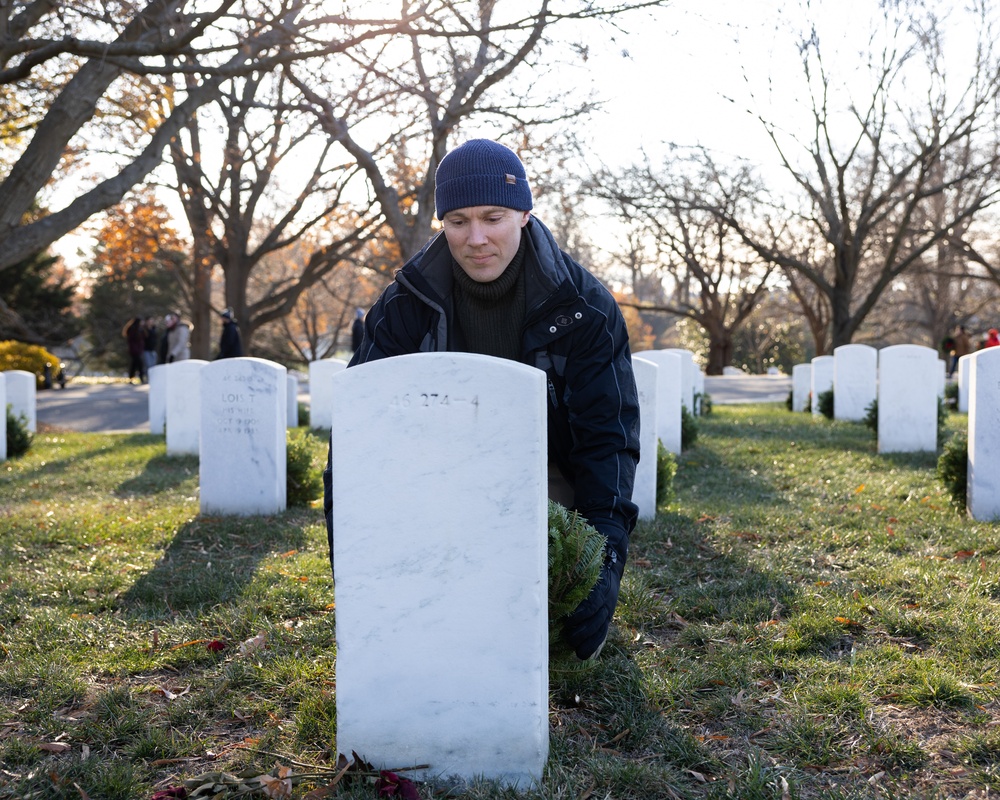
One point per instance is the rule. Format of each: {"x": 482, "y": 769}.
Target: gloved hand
{"x": 587, "y": 627}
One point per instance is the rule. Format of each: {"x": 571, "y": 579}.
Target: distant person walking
{"x": 962, "y": 347}
{"x": 135, "y": 339}
{"x": 358, "y": 330}
{"x": 176, "y": 339}
{"x": 230, "y": 344}
{"x": 151, "y": 343}
{"x": 992, "y": 338}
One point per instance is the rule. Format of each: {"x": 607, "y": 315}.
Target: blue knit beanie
{"x": 481, "y": 173}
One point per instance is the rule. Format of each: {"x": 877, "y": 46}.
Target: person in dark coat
{"x": 495, "y": 282}
{"x": 135, "y": 338}
{"x": 230, "y": 344}
{"x": 358, "y": 330}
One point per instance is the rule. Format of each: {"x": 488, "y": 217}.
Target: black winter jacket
{"x": 574, "y": 331}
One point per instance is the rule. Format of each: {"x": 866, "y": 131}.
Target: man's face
{"x": 484, "y": 239}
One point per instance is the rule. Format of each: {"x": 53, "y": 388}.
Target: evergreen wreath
{"x": 576, "y": 554}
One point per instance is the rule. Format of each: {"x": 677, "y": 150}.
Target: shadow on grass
{"x": 159, "y": 474}
{"x": 210, "y": 562}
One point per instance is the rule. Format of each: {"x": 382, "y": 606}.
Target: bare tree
{"x": 869, "y": 190}
{"x": 59, "y": 62}
{"x": 713, "y": 278}
{"x": 461, "y": 61}
{"x": 273, "y": 183}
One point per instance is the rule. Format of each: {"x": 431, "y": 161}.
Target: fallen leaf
{"x": 83, "y": 794}
{"x": 961, "y": 555}
{"x": 171, "y": 793}
{"x": 215, "y": 645}
{"x": 54, "y": 747}
{"x": 253, "y": 644}
{"x": 860, "y": 489}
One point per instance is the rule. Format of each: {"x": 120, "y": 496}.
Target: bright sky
{"x": 682, "y": 76}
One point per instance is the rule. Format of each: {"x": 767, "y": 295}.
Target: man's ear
{"x": 525, "y": 216}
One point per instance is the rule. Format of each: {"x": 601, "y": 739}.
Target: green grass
{"x": 807, "y": 619}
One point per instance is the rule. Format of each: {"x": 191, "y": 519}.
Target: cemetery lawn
{"x": 808, "y": 619}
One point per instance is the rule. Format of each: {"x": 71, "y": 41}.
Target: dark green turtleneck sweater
{"x": 491, "y": 315}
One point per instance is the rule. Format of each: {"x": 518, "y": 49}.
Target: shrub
{"x": 576, "y": 553}
{"x": 871, "y": 417}
{"x": 29, "y": 357}
{"x": 304, "y": 475}
{"x": 953, "y": 467}
{"x": 789, "y": 401}
{"x": 666, "y": 469}
{"x": 951, "y": 395}
{"x": 689, "y": 428}
{"x": 703, "y": 403}
{"x": 19, "y": 438}
{"x": 825, "y": 403}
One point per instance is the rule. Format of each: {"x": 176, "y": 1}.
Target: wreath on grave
{"x": 576, "y": 553}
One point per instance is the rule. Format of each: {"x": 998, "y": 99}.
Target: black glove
{"x": 587, "y": 627}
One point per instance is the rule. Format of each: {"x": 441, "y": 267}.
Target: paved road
{"x": 728, "y": 389}
{"x": 124, "y": 408}
{"x": 98, "y": 407}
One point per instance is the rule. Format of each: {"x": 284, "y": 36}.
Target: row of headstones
{"x": 17, "y": 389}
{"x": 908, "y": 381}
{"x": 667, "y": 381}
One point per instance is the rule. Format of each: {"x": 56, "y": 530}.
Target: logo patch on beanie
{"x": 510, "y": 178}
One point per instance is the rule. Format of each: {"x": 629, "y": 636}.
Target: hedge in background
{"x": 29, "y": 357}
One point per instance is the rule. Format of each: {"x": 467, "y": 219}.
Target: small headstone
{"x": 907, "y": 399}
{"x": 183, "y": 413}
{"x": 442, "y": 630}
{"x": 822, "y": 380}
{"x": 855, "y": 381}
{"x": 644, "y": 489}
{"x": 688, "y": 369}
{"x": 984, "y": 436}
{"x": 157, "y": 377}
{"x": 668, "y": 397}
{"x": 801, "y": 386}
{"x": 942, "y": 378}
{"x": 964, "y": 371}
{"x": 292, "y": 401}
{"x": 21, "y": 396}
{"x": 3, "y": 416}
{"x": 321, "y": 391}
{"x": 732, "y": 371}
{"x": 242, "y": 455}
{"x": 773, "y": 371}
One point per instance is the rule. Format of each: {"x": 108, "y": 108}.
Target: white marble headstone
{"x": 964, "y": 371}
{"x": 669, "y": 379}
{"x": 3, "y": 416}
{"x": 183, "y": 413}
{"x": 822, "y": 379}
{"x": 21, "y": 391}
{"x": 907, "y": 399}
{"x": 242, "y": 457}
{"x": 688, "y": 370}
{"x": 983, "y": 479}
{"x": 644, "y": 489}
{"x": 699, "y": 390}
{"x": 801, "y": 386}
{"x": 321, "y": 390}
{"x": 440, "y": 543}
{"x": 855, "y": 380}
{"x": 942, "y": 378}
{"x": 157, "y": 377}
{"x": 292, "y": 401}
